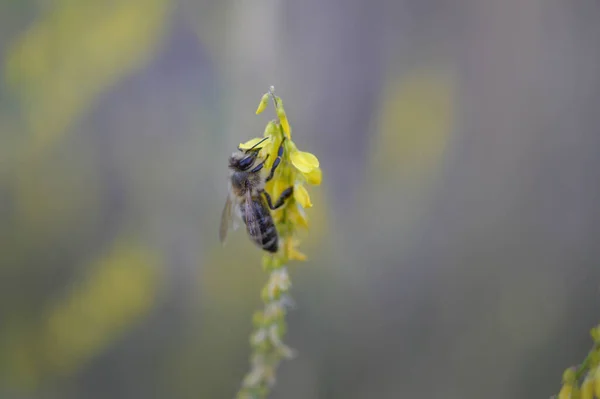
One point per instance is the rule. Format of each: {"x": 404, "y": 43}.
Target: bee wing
{"x": 251, "y": 222}
{"x": 227, "y": 222}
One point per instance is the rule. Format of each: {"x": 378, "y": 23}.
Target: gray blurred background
{"x": 453, "y": 244}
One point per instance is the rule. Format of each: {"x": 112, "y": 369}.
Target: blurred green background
{"x": 453, "y": 250}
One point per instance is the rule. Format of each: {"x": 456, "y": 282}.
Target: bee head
{"x": 244, "y": 159}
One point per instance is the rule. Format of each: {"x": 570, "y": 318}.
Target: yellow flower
{"x": 272, "y": 150}
{"x": 587, "y": 388}
{"x": 285, "y": 125}
{"x": 254, "y": 143}
{"x": 305, "y": 162}
{"x": 597, "y": 381}
{"x": 568, "y": 391}
{"x": 301, "y": 195}
{"x": 292, "y": 252}
{"x": 264, "y": 101}
{"x": 305, "y": 170}
{"x": 314, "y": 177}
{"x": 277, "y": 186}
{"x": 297, "y": 216}
{"x": 271, "y": 129}
{"x": 569, "y": 376}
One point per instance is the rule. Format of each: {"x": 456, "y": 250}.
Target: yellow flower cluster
{"x": 296, "y": 169}
{"x": 583, "y": 382}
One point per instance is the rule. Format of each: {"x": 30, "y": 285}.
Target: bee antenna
{"x": 250, "y": 149}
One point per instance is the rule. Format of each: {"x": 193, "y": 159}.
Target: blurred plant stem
{"x": 587, "y": 362}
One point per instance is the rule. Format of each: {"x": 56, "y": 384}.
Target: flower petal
{"x": 297, "y": 216}
{"x": 276, "y": 141}
{"x": 597, "y": 381}
{"x": 253, "y": 143}
{"x": 286, "y": 126}
{"x": 305, "y": 162}
{"x": 587, "y": 388}
{"x": 283, "y": 117}
{"x": 270, "y": 129}
{"x": 301, "y": 196}
{"x": 294, "y": 254}
{"x": 314, "y": 177}
{"x": 277, "y": 186}
{"x": 568, "y": 391}
{"x": 264, "y": 101}
{"x": 291, "y": 251}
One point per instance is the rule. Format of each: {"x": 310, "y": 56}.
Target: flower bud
{"x": 596, "y": 379}
{"x": 271, "y": 129}
{"x": 595, "y": 333}
{"x": 568, "y": 391}
{"x": 587, "y": 389}
{"x": 569, "y": 376}
{"x": 264, "y": 101}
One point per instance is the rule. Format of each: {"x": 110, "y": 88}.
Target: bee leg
{"x": 277, "y": 160}
{"x": 287, "y": 193}
{"x": 260, "y": 165}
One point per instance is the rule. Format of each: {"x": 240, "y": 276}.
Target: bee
{"x": 248, "y": 200}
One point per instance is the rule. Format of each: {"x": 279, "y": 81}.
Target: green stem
{"x": 272, "y": 92}
{"x": 585, "y": 365}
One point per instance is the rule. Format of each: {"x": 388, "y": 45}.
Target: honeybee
{"x": 248, "y": 200}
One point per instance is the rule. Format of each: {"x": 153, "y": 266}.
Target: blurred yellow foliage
{"x": 52, "y": 197}
{"x": 416, "y": 116}
{"x": 118, "y": 290}
{"x": 75, "y": 51}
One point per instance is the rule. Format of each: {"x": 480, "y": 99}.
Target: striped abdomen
{"x": 260, "y": 225}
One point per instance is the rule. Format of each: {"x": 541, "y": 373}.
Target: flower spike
{"x": 295, "y": 168}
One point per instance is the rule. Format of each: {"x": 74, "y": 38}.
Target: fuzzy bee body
{"x": 262, "y": 223}
{"x": 248, "y": 199}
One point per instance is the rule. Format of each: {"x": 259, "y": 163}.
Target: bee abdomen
{"x": 270, "y": 240}
{"x": 263, "y": 231}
